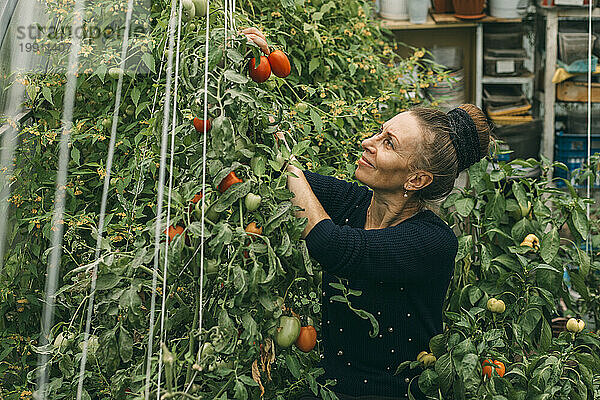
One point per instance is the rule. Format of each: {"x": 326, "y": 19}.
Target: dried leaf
{"x": 256, "y": 377}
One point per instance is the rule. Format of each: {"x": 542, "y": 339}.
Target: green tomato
{"x": 209, "y": 212}
{"x": 93, "y": 346}
{"x": 302, "y": 107}
{"x": 288, "y": 331}
{"x": 496, "y": 306}
{"x": 115, "y": 72}
{"x": 189, "y": 10}
{"x": 130, "y": 110}
{"x": 200, "y": 6}
{"x": 192, "y": 27}
{"x": 252, "y": 201}
{"x": 62, "y": 342}
{"x": 107, "y": 123}
{"x": 429, "y": 360}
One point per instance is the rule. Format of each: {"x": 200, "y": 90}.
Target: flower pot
{"x": 505, "y": 8}
{"x": 443, "y": 6}
{"x": 417, "y": 11}
{"x": 394, "y": 9}
{"x": 468, "y": 9}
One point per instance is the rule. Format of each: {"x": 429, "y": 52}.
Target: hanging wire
{"x": 202, "y": 231}
{"x": 105, "y": 189}
{"x": 160, "y": 195}
{"x": 163, "y": 312}
{"x": 589, "y": 119}
{"x": 59, "y": 199}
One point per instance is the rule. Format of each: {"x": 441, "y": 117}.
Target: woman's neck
{"x": 389, "y": 209}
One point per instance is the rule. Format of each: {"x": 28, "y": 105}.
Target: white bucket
{"x": 505, "y": 8}
{"x": 417, "y": 11}
{"x": 394, "y": 9}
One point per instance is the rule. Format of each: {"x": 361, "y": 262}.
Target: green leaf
{"x": 148, "y": 59}
{"x": 579, "y": 284}
{"x": 520, "y": 194}
{"x": 428, "y": 381}
{"x": 107, "y": 281}
{"x": 314, "y": 64}
{"x": 300, "y": 147}
{"x": 367, "y": 315}
{"x": 337, "y": 286}
{"x": 339, "y": 298}
{"x": 580, "y": 222}
{"x": 235, "y": 77}
{"x": 47, "y": 94}
{"x": 464, "y": 206}
{"x": 437, "y": 345}
{"x": 234, "y": 193}
{"x": 316, "y": 120}
{"x": 584, "y": 262}
{"x": 240, "y": 392}
{"x": 280, "y": 214}
{"x": 445, "y": 370}
{"x": 545, "y": 335}
{"x": 125, "y": 345}
{"x": 529, "y": 319}
{"x": 550, "y": 244}
{"x": 135, "y": 96}
{"x": 75, "y": 155}
{"x": 293, "y": 365}
{"x": 306, "y": 258}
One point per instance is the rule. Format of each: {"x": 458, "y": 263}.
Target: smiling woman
{"x": 386, "y": 241}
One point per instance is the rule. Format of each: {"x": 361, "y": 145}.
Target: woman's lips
{"x": 365, "y": 162}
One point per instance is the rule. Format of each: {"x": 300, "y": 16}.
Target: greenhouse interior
{"x": 299, "y": 199}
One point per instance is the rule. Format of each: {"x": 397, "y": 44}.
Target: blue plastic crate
{"x": 571, "y": 150}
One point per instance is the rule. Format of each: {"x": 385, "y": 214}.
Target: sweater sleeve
{"x": 335, "y": 195}
{"x": 405, "y": 253}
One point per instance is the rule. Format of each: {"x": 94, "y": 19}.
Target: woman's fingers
{"x": 260, "y": 42}
{"x": 254, "y": 31}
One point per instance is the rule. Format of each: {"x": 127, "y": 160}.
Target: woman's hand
{"x": 257, "y": 37}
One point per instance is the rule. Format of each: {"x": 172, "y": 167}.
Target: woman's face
{"x": 387, "y": 155}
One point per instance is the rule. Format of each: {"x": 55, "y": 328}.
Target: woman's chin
{"x": 361, "y": 175}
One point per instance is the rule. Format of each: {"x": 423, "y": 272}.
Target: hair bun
{"x": 465, "y": 138}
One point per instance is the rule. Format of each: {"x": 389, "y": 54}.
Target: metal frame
{"x": 5, "y": 17}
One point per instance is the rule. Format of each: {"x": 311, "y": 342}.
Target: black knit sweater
{"x": 403, "y": 272}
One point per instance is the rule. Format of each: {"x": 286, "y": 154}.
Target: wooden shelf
{"x": 581, "y": 12}
{"x": 528, "y": 78}
{"x": 429, "y": 24}
{"x": 437, "y": 21}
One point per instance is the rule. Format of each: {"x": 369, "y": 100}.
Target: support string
{"x": 109, "y": 162}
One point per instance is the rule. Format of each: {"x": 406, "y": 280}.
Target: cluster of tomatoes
{"x": 276, "y": 62}
{"x": 291, "y": 332}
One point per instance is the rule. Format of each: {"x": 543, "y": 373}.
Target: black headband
{"x": 464, "y": 138}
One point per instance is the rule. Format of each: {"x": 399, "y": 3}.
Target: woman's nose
{"x": 369, "y": 144}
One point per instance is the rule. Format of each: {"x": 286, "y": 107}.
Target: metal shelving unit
{"x": 548, "y": 97}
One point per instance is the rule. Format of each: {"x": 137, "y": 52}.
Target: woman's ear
{"x": 418, "y": 180}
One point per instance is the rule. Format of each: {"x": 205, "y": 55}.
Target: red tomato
{"x": 229, "y": 180}
{"x": 307, "y": 339}
{"x": 174, "y": 231}
{"x": 498, "y": 366}
{"x": 262, "y": 72}
{"x": 252, "y": 228}
{"x": 197, "y": 198}
{"x": 199, "y": 124}
{"x": 280, "y": 65}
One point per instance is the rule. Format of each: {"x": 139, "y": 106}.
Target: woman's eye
{"x": 388, "y": 142}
